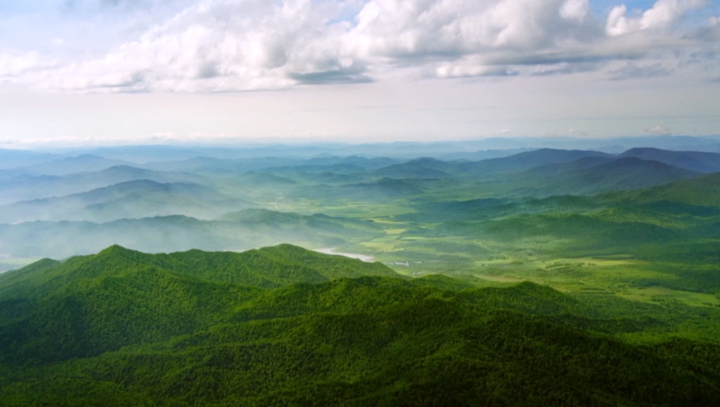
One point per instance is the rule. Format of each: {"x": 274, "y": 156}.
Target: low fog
{"x": 324, "y": 196}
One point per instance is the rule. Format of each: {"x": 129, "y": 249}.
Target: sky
{"x": 76, "y": 72}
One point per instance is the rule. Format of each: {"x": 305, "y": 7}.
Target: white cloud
{"x": 661, "y": 15}
{"x": 617, "y": 23}
{"x": 221, "y": 45}
{"x": 574, "y": 9}
{"x": 440, "y": 27}
{"x": 17, "y": 64}
{"x": 230, "y": 45}
{"x": 463, "y": 38}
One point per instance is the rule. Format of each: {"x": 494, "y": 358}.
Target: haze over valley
{"x": 379, "y": 206}
{"x": 600, "y": 247}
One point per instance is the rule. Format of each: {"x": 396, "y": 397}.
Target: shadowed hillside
{"x": 690, "y": 160}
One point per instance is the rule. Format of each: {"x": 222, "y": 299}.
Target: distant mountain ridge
{"x": 132, "y": 199}
{"x": 17, "y": 158}
{"x": 240, "y": 230}
{"x": 81, "y": 163}
{"x": 419, "y": 168}
{"x": 691, "y": 160}
{"x": 592, "y": 175}
{"x": 31, "y": 187}
{"x": 565, "y": 167}
{"x": 525, "y": 161}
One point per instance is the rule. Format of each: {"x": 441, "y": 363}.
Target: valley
{"x": 353, "y": 280}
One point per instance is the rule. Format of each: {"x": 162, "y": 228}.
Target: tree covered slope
{"x": 286, "y": 326}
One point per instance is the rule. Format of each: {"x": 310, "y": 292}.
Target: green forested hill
{"x": 526, "y": 160}
{"x": 30, "y": 187}
{"x": 240, "y": 230}
{"x": 132, "y": 199}
{"x": 581, "y": 177}
{"x": 286, "y": 326}
{"x": 88, "y": 305}
{"x": 702, "y": 191}
{"x": 692, "y": 160}
{"x": 267, "y": 267}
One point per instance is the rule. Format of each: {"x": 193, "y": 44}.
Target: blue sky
{"x": 603, "y": 6}
{"x": 127, "y": 71}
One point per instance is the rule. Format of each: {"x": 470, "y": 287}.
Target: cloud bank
{"x": 241, "y": 45}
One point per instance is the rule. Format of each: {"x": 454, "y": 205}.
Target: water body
{"x": 363, "y": 257}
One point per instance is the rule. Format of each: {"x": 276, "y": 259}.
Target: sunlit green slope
{"x": 286, "y": 326}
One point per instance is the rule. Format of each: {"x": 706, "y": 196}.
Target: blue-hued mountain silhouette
{"x": 690, "y": 160}
{"x": 132, "y": 199}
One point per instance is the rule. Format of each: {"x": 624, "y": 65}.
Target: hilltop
{"x": 283, "y": 325}
{"x": 690, "y": 160}
{"x": 31, "y": 187}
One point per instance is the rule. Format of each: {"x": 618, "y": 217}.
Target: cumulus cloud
{"x": 661, "y": 15}
{"x": 446, "y": 28}
{"x": 574, "y": 10}
{"x": 230, "y": 45}
{"x": 221, "y": 45}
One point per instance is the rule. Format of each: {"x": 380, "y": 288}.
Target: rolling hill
{"x": 358, "y": 161}
{"x": 383, "y": 188}
{"x": 266, "y": 267}
{"x": 243, "y": 230}
{"x": 525, "y": 161}
{"x": 263, "y": 180}
{"x": 567, "y": 167}
{"x": 71, "y": 165}
{"x": 133, "y": 199}
{"x": 623, "y": 307}
{"x": 30, "y": 187}
{"x": 418, "y": 168}
{"x": 690, "y": 160}
{"x": 701, "y": 191}
{"x": 285, "y": 326}
{"x": 593, "y": 175}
